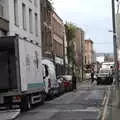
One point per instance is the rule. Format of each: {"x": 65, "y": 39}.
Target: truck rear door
{"x": 30, "y": 66}
{"x": 8, "y": 80}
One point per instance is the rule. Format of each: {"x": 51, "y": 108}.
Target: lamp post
{"x": 64, "y": 64}
{"x": 115, "y": 55}
{"x": 82, "y": 57}
{"x": 115, "y": 45}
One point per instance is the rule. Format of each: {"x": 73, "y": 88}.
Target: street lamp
{"x": 115, "y": 55}
{"x": 115, "y": 45}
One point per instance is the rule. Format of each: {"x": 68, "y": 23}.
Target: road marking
{"x": 83, "y": 110}
{"x": 106, "y": 105}
{"x": 14, "y": 115}
{"x": 91, "y": 109}
{"x": 104, "y": 100}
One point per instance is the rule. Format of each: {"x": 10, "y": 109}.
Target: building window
{"x": 1, "y": 11}
{"x": 16, "y": 11}
{"x": 24, "y": 16}
{"x": 36, "y": 24}
{"x": 30, "y": 21}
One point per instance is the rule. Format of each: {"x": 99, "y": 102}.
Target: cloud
{"x": 98, "y": 7}
{"x": 94, "y": 16}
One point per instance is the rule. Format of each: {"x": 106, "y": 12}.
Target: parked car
{"x": 60, "y": 82}
{"x": 67, "y": 82}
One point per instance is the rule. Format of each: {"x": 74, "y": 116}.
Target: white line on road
{"x": 89, "y": 109}
{"x": 106, "y": 105}
{"x": 104, "y": 100}
{"x": 83, "y": 110}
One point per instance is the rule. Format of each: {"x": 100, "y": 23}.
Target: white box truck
{"x": 21, "y": 80}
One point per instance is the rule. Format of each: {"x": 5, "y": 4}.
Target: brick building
{"x": 58, "y": 42}
{"x": 89, "y": 53}
{"x": 53, "y": 36}
{"x": 80, "y": 45}
{"x": 79, "y": 50}
{"x": 46, "y": 28}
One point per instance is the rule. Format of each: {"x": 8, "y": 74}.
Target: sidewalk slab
{"x": 113, "y": 112}
{"x": 9, "y": 114}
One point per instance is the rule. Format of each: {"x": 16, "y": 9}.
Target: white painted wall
{"x": 19, "y": 29}
{"x": 4, "y": 4}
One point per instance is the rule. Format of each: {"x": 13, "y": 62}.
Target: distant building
{"x": 79, "y": 46}
{"x": 108, "y": 58}
{"x": 89, "y": 53}
{"x": 100, "y": 59}
{"x": 94, "y": 57}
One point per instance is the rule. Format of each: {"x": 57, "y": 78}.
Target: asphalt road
{"x": 84, "y": 104}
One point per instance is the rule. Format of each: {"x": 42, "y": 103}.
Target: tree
{"x": 50, "y": 5}
{"x": 70, "y": 30}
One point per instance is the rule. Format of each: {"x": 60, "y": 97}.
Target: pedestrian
{"x": 73, "y": 82}
{"x": 92, "y": 76}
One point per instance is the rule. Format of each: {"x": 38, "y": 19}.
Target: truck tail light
{"x": 16, "y": 99}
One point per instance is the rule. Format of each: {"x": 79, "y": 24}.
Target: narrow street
{"x": 84, "y": 104}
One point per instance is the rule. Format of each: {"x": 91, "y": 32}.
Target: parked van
{"x": 50, "y": 81}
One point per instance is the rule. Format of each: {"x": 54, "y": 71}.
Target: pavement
{"x": 112, "y": 109}
{"x": 9, "y": 114}
{"x": 86, "y": 103}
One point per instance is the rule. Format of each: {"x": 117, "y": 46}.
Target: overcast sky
{"x": 94, "y": 16}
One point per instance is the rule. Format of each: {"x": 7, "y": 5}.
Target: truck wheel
{"x": 26, "y": 103}
{"x": 98, "y": 83}
{"x": 43, "y": 97}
